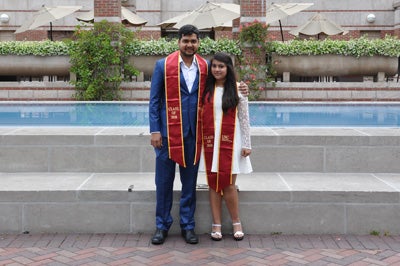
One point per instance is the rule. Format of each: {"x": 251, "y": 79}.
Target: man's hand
{"x": 243, "y": 89}
{"x": 156, "y": 140}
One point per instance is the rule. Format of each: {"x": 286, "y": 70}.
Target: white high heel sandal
{"x": 216, "y": 235}
{"x": 238, "y": 235}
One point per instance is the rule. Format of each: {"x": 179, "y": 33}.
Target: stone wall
{"x": 282, "y": 91}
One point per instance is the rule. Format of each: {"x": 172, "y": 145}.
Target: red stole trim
{"x": 172, "y": 84}
{"x": 223, "y": 178}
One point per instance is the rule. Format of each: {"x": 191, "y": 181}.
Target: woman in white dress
{"x": 226, "y": 141}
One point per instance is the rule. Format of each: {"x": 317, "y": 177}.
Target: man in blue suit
{"x": 177, "y": 84}
{"x": 174, "y": 93}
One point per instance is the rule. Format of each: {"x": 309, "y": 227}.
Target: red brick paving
{"x": 136, "y": 249}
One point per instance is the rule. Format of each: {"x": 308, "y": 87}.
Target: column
{"x": 109, "y": 10}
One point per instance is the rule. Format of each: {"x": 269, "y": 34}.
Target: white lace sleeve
{"x": 244, "y": 121}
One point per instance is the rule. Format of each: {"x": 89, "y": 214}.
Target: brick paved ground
{"x": 135, "y": 249}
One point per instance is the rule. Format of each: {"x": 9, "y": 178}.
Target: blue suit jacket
{"x": 157, "y": 112}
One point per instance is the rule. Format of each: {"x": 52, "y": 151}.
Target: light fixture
{"x": 371, "y": 18}
{"x": 4, "y": 18}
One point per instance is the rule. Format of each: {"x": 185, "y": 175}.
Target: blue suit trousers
{"x": 164, "y": 179}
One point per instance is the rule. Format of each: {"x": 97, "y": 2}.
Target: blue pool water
{"x": 261, "y": 114}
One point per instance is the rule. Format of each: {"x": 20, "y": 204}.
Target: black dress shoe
{"x": 190, "y": 236}
{"x": 159, "y": 237}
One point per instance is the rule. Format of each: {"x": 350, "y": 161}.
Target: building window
{"x": 371, "y": 34}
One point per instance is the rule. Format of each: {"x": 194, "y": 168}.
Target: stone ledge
{"x": 296, "y": 203}
{"x": 127, "y": 149}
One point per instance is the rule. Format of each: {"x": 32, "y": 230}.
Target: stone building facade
{"x": 350, "y": 14}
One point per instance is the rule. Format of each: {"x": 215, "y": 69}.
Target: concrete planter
{"x": 30, "y": 65}
{"x": 334, "y": 65}
{"x": 145, "y": 63}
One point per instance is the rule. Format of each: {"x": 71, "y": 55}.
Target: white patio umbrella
{"x": 277, "y": 12}
{"x": 126, "y": 15}
{"x": 47, "y": 15}
{"x": 210, "y": 15}
{"x": 169, "y": 23}
{"x": 131, "y": 17}
{"x": 318, "y": 24}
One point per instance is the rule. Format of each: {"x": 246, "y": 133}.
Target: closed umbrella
{"x": 126, "y": 15}
{"x": 47, "y": 15}
{"x": 131, "y": 17}
{"x": 169, "y": 23}
{"x": 277, "y": 12}
{"x": 318, "y": 24}
{"x": 210, "y": 15}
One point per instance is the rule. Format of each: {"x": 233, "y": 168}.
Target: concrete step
{"x": 270, "y": 202}
{"x": 128, "y": 149}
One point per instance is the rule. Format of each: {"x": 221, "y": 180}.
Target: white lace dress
{"x": 241, "y": 165}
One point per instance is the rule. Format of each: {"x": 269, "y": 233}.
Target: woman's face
{"x": 218, "y": 70}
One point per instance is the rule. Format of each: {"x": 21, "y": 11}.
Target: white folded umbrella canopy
{"x": 47, "y": 15}
{"x": 169, "y": 23}
{"x": 210, "y": 15}
{"x": 126, "y": 15}
{"x": 277, "y": 12}
{"x": 318, "y": 24}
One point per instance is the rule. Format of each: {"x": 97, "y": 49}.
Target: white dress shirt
{"x": 189, "y": 73}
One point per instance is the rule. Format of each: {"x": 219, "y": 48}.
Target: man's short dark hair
{"x": 188, "y": 30}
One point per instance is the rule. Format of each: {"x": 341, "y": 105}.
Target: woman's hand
{"x": 243, "y": 89}
{"x": 245, "y": 152}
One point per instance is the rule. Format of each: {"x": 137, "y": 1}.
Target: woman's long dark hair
{"x": 230, "y": 97}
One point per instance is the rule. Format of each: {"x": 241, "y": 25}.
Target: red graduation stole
{"x": 172, "y": 79}
{"x": 223, "y": 178}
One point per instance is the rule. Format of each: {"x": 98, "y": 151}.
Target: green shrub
{"x": 100, "y": 61}
{"x": 164, "y": 47}
{"x": 133, "y": 47}
{"x": 42, "y": 48}
{"x": 254, "y": 32}
{"x": 257, "y": 74}
{"x": 389, "y": 46}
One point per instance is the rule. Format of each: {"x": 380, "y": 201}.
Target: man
{"x": 173, "y": 125}
{"x": 177, "y": 82}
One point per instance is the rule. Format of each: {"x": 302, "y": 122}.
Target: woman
{"x": 226, "y": 141}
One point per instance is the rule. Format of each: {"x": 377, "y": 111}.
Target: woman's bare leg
{"x": 231, "y": 198}
{"x": 215, "y": 204}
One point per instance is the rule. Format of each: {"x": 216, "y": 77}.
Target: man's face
{"x": 188, "y": 45}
